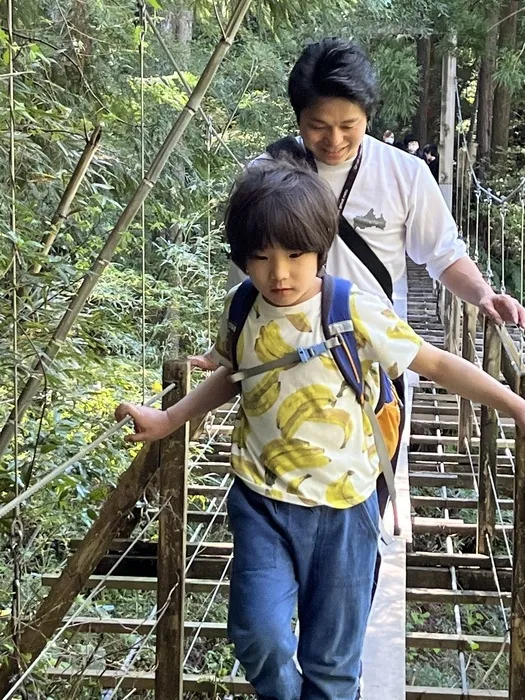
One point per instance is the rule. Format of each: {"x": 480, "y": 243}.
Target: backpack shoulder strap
{"x": 288, "y": 145}
{"x": 336, "y": 320}
{"x": 335, "y": 316}
{"x": 241, "y": 305}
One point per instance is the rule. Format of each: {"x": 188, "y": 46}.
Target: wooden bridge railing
{"x": 500, "y": 355}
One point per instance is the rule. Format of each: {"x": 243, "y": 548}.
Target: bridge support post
{"x": 172, "y": 543}
{"x": 468, "y": 351}
{"x": 517, "y": 625}
{"x": 488, "y": 448}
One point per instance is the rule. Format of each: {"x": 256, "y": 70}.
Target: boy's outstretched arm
{"x": 152, "y": 424}
{"x": 465, "y": 379}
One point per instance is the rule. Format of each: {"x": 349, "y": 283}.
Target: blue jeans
{"x": 322, "y": 561}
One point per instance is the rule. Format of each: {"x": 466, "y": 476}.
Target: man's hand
{"x": 502, "y": 308}
{"x": 150, "y": 423}
{"x": 205, "y": 362}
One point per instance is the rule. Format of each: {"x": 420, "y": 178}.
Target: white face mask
{"x": 389, "y": 139}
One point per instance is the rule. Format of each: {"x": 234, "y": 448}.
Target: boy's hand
{"x": 204, "y": 362}
{"x": 150, "y": 423}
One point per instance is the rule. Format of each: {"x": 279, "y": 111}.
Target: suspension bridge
{"x": 161, "y": 541}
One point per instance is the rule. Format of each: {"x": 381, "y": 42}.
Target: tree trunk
{"x": 502, "y": 96}
{"x": 420, "y": 124}
{"x": 486, "y": 87}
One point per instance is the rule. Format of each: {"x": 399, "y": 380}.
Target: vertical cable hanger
{"x": 208, "y": 149}
{"x": 503, "y": 214}
{"x": 522, "y": 241}
{"x": 490, "y": 275}
{"x": 142, "y": 24}
{"x": 17, "y": 530}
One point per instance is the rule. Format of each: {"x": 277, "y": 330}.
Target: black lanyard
{"x": 350, "y": 178}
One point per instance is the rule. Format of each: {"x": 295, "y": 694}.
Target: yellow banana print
{"x": 388, "y": 313}
{"x": 263, "y": 395}
{"x": 393, "y": 371}
{"x": 294, "y": 486}
{"x": 335, "y": 416}
{"x": 328, "y": 362}
{"x": 361, "y": 334}
{"x": 341, "y": 493}
{"x": 300, "y": 321}
{"x": 239, "y": 350}
{"x": 270, "y": 344}
{"x": 402, "y": 331}
{"x": 301, "y": 406}
{"x": 241, "y": 430}
{"x": 245, "y": 468}
{"x": 281, "y": 456}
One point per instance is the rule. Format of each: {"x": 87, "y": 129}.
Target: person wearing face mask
{"x": 388, "y": 137}
{"x": 412, "y": 145}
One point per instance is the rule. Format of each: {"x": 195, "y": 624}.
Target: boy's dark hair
{"x": 333, "y": 67}
{"x": 280, "y": 202}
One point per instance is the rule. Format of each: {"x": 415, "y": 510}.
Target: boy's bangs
{"x": 279, "y": 225}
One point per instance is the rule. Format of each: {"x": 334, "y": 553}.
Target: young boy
{"x": 303, "y": 507}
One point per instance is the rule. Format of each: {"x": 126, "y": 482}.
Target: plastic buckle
{"x": 305, "y": 354}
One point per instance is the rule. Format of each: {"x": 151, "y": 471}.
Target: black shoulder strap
{"x": 347, "y": 232}
{"x": 289, "y": 146}
{"x": 366, "y": 255}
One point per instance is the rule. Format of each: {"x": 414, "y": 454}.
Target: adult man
{"x": 394, "y": 205}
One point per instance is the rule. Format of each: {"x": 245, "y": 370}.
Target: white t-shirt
{"x": 396, "y": 206}
{"x": 300, "y": 434}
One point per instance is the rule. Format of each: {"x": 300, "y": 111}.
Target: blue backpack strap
{"x": 241, "y": 305}
{"x": 335, "y": 314}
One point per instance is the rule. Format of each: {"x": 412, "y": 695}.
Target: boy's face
{"x": 284, "y": 277}
{"x": 333, "y": 129}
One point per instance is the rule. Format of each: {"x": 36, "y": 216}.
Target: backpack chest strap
{"x": 302, "y": 354}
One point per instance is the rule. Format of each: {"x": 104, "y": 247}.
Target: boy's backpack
{"x": 350, "y": 237}
{"x": 385, "y": 417}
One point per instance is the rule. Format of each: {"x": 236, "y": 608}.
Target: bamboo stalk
{"x": 104, "y": 258}
{"x": 70, "y": 193}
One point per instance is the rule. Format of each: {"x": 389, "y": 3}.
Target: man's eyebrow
{"x": 353, "y": 120}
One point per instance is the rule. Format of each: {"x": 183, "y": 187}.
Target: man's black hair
{"x": 280, "y": 203}
{"x": 333, "y": 67}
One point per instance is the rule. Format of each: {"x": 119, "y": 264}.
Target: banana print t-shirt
{"x": 300, "y": 435}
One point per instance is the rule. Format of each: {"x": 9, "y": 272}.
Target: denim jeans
{"x": 319, "y": 560}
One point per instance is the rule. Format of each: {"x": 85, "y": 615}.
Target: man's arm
{"x": 465, "y": 379}
{"x": 464, "y": 279}
{"x": 152, "y": 424}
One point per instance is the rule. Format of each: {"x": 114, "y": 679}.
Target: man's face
{"x": 333, "y": 128}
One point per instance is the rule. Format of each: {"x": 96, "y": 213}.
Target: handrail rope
{"x": 81, "y": 607}
{"x": 8, "y": 507}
